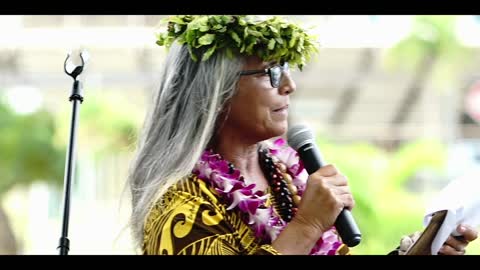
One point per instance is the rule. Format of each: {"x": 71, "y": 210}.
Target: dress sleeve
{"x": 190, "y": 220}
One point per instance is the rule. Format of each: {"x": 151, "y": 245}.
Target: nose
{"x": 287, "y": 84}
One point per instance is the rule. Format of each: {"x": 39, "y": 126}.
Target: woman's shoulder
{"x": 181, "y": 210}
{"x": 194, "y": 186}
{"x": 188, "y": 189}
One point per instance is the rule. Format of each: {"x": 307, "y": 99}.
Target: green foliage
{"x": 33, "y": 146}
{"x": 413, "y": 157}
{"x": 27, "y": 153}
{"x": 273, "y": 39}
{"x": 431, "y": 35}
{"x": 385, "y": 210}
{"x": 107, "y": 123}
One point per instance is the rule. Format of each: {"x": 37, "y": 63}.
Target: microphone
{"x": 301, "y": 138}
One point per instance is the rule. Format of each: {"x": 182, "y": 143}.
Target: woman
{"x": 208, "y": 178}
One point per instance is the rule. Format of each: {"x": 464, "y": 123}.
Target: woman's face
{"x": 259, "y": 110}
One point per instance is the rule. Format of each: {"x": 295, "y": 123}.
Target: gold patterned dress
{"x": 191, "y": 218}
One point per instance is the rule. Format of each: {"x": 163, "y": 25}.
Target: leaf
{"x": 181, "y": 38}
{"x": 203, "y": 24}
{"x": 242, "y": 22}
{"x": 245, "y": 32}
{"x": 300, "y": 44}
{"x": 227, "y": 19}
{"x": 204, "y": 28}
{"x": 217, "y": 27}
{"x": 169, "y": 40}
{"x": 160, "y": 42}
{"x": 272, "y": 38}
{"x": 209, "y": 53}
{"x": 242, "y": 49}
{"x": 251, "y": 42}
{"x": 292, "y": 41}
{"x": 273, "y": 29}
{"x": 194, "y": 25}
{"x": 254, "y": 33}
{"x": 229, "y": 53}
{"x": 206, "y": 39}
{"x": 176, "y": 20}
{"x": 190, "y": 36}
{"x": 177, "y": 28}
{"x": 271, "y": 44}
{"x": 236, "y": 38}
{"x": 192, "y": 54}
{"x": 223, "y": 29}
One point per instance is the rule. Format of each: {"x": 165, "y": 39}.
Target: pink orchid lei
{"x": 265, "y": 223}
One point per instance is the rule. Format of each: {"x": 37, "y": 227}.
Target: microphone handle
{"x": 311, "y": 158}
{"x": 347, "y": 228}
{"x": 345, "y": 224}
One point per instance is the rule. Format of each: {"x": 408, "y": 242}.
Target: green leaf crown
{"x": 272, "y": 39}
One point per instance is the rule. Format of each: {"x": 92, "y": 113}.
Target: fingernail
{"x": 461, "y": 229}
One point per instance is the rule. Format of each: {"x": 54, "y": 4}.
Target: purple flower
{"x": 265, "y": 223}
{"x": 327, "y": 244}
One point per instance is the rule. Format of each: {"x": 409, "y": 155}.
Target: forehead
{"x": 254, "y": 62}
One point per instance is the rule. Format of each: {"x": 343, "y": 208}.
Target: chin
{"x": 279, "y": 129}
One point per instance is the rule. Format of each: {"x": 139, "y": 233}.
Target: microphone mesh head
{"x": 299, "y": 135}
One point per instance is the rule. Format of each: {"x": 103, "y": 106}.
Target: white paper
{"x": 461, "y": 198}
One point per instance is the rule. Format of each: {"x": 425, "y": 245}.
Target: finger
{"x": 337, "y": 180}
{"x": 448, "y": 250}
{"x": 348, "y": 201}
{"x": 341, "y": 190}
{"x": 467, "y": 232}
{"x": 327, "y": 171}
{"x": 456, "y": 243}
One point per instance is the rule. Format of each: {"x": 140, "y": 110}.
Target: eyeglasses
{"x": 275, "y": 72}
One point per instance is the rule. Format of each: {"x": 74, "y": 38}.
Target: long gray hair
{"x": 178, "y": 126}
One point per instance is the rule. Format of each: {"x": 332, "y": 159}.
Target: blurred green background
{"x": 392, "y": 99}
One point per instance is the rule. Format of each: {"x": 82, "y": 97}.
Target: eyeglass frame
{"x": 283, "y": 67}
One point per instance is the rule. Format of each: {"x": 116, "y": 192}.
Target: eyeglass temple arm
{"x": 251, "y": 72}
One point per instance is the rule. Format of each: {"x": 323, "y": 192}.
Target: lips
{"x": 281, "y": 108}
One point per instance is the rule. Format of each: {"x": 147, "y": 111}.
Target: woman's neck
{"x": 244, "y": 156}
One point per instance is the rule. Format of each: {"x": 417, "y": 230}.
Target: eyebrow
{"x": 271, "y": 63}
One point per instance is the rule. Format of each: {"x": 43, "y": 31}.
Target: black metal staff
{"x": 76, "y": 97}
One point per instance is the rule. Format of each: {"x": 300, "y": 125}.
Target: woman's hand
{"x": 453, "y": 245}
{"x": 326, "y": 194}
{"x": 457, "y": 245}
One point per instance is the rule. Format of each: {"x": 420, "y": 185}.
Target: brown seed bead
{"x": 293, "y": 189}
{"x": 297, "y": 199}
{"x": 282, "y": 167}
{"x": 287, "y": 177}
